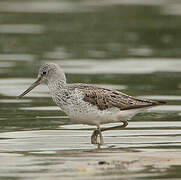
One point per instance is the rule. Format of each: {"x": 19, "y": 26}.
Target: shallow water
{"x": 132, "y": 47}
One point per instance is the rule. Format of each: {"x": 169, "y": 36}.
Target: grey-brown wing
{"x": 105, "y": 98}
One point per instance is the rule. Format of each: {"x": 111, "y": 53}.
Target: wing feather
{"x": 106, "y": 98}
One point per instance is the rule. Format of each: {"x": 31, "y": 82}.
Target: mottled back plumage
{"x": 106, "y": 98}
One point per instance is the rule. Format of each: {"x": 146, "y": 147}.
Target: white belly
{"x": 93, "y": 116}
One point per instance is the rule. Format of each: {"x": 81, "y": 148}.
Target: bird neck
{"x": 57, "y": 84}
{"x": 58, "y": 89}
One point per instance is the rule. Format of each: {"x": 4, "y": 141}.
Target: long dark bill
{"x": 36, "y": 83}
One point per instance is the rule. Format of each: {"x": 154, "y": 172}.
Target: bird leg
{"x": 99, "y": 130}
{"x": 125, "y": 123}
{"x": 95, "y": 135}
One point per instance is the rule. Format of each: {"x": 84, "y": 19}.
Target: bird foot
{"x": 94, "y": 136}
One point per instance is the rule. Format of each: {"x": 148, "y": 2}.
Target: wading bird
{"x": 87, "y": 104}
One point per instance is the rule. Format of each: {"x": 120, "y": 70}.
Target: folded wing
{"x": 105, "y": 98}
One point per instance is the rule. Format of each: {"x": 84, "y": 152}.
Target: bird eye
{"x": 44, "y": 72}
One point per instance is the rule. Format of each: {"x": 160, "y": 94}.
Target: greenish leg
{"x": 125, "y": 123}
{"x": 99, "y": 131}
{"x": 94, "y": 136}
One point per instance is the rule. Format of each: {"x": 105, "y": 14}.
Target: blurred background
{"x": 130, "y": 45}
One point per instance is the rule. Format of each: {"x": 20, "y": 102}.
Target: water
{"x": 130, "y": 46}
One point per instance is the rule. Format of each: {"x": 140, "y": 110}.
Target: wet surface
{"x": 132, "y": 47}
